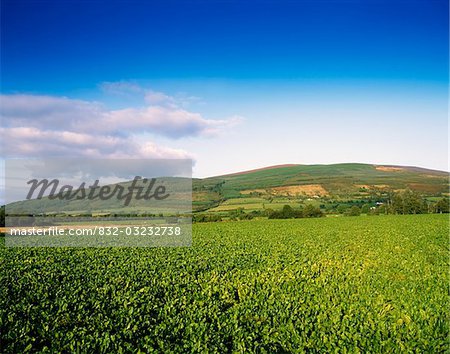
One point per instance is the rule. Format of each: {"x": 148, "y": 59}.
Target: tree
{"x": 425, "y": 208}
{"x": 441, "y": 206}
{"x": 365, "y": 209}
{"x": 287, "y": 212}
{"x": 353, "y": 211}
{"x": 412, "y": 202}
{"x": 342, "y": 208}
{"x": 408, "y": 202}
{"x": 382, "y": 209}
{"x": 310, "y": 211}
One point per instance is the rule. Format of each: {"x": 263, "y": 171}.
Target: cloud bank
{"x": 44, "y": 126}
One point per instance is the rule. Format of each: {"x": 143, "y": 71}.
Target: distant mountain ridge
{"x": 411, "y": 168}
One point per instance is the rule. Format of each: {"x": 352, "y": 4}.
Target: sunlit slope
{"x": 347, "y": 180}
{"x": 342, "y": 180}
{"x": 337, "y": 178}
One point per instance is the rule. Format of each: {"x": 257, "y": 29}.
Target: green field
{"x": 362, "y": 284}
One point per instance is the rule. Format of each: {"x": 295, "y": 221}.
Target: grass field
{"x": 249, "y": 204}
{"x": 366, "y": 284}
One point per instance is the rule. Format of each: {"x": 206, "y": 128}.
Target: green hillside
{"x": 180, "y": 201}
{"x": 272, "y": 187}
{"x": 337, "y": 181}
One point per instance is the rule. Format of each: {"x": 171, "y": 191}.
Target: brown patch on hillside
{"x": 389, "y": 168}
{"x": 373, "y": 186}
{"x": 250, "y": 191}
{"x": 425, "y": 188}
{"x": 307, "y": 189}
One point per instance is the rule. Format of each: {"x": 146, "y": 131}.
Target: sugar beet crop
{"x": 365, "y": 284}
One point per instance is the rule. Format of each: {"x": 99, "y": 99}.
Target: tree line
{"x": 405, "y": 202}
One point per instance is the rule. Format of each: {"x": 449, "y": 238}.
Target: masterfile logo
{"x": 99, "y": 202}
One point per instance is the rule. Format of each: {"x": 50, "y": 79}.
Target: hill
{"x": 272, "y": 187}
{"x": 316, "y": 182}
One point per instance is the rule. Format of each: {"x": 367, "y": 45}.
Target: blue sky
{"x": 233, "y": 84}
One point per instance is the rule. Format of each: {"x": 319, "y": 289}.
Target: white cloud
{"x": 121, "y": 87}
{"x": 64, "y": 114}
{"x": 33, "y": 142}
{"x": 159, "y": 98}
{"x": 132, "y": 89}
{"x": 171, "y": 122}
{"x": 56, "y": 113}
{"x": 38, "y": 125}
